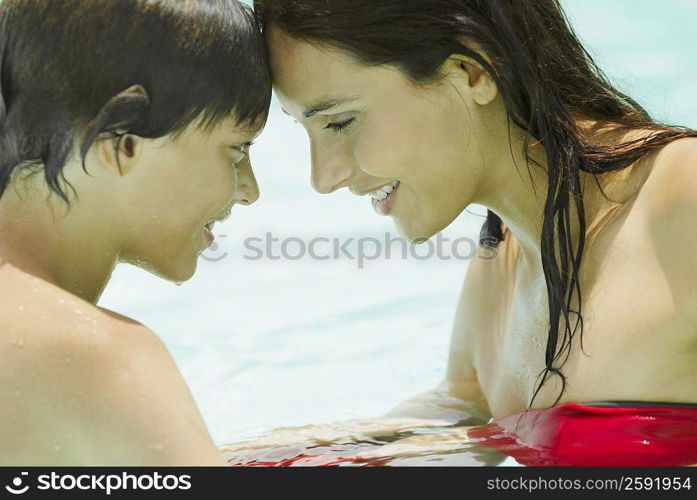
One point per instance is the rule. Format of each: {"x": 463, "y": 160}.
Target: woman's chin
{"x": 416, "y": 231}
{"x": 414, "y": 236}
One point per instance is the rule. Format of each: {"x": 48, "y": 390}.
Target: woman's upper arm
{"x": 469, "y": 308}
{"x": 460, "y": 365}
{"x": 481, "y": 292}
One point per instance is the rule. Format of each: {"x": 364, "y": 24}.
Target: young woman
{"x": 124, "y": 135}
{"x": 426, "y": 107}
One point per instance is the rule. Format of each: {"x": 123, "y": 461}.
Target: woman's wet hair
{"x": 543, "y": 74}
{"x": 76, "y": 71}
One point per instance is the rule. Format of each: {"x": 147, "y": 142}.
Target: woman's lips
{"x": 383, "y": 198}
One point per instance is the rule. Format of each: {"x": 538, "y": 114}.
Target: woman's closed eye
{"x": 340, "y": 126}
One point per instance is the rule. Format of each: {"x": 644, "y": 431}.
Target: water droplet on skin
{"x": 21, "y": 308}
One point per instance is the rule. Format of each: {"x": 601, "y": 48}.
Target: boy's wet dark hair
{"x": 75, "y": 71}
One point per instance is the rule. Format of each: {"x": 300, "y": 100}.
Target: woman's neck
{"x": 516, "y": 191}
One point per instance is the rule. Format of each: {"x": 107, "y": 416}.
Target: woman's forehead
{"x": 310, "y": 77}
{"x": 295, "y": 58}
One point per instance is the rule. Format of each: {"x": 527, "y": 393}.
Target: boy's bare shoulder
{"x": 91, "y": 386}
{"x": 38, "y": 317}
{"x": 49, "y": 329}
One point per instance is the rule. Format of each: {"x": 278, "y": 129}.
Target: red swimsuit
{"x": 572, "y": 434}
{"x": 597, "y": 434}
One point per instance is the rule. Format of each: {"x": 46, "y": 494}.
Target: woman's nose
{"x": 329, "y": 171}
{"x": 247, "y": 188}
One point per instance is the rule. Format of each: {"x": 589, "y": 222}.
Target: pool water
{"x": 404, "y": 449}
{"x": 608, "y": 433}
{"x": 269, "y": 343}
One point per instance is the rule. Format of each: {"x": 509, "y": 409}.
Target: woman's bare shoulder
{"x": 674, "y": 170}
{"x": 669, "y": 195}
{"x": 670, "y": 204}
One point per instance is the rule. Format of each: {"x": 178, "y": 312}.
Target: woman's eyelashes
{"x": 340, "y": 126}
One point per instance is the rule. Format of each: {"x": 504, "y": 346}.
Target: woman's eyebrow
{"x": 323, "y": 105}
{"x": 326, "y": 104}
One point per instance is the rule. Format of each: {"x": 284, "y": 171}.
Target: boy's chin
{"x": 170, "y": 271}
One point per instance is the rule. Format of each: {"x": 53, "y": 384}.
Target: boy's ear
{"x": 120, "y": 153}
{"x": 124, "y": 111}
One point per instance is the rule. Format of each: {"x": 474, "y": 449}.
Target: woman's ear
{"x": 480, "y": 83}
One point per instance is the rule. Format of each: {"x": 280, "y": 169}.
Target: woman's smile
{"x": 383, "y": 199}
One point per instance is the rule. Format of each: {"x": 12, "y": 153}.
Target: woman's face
{"x": 175, "y": 187}
{"x": 371, "y": 129}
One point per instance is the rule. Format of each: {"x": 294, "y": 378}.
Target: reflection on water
{"x": 432, "y": 446}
